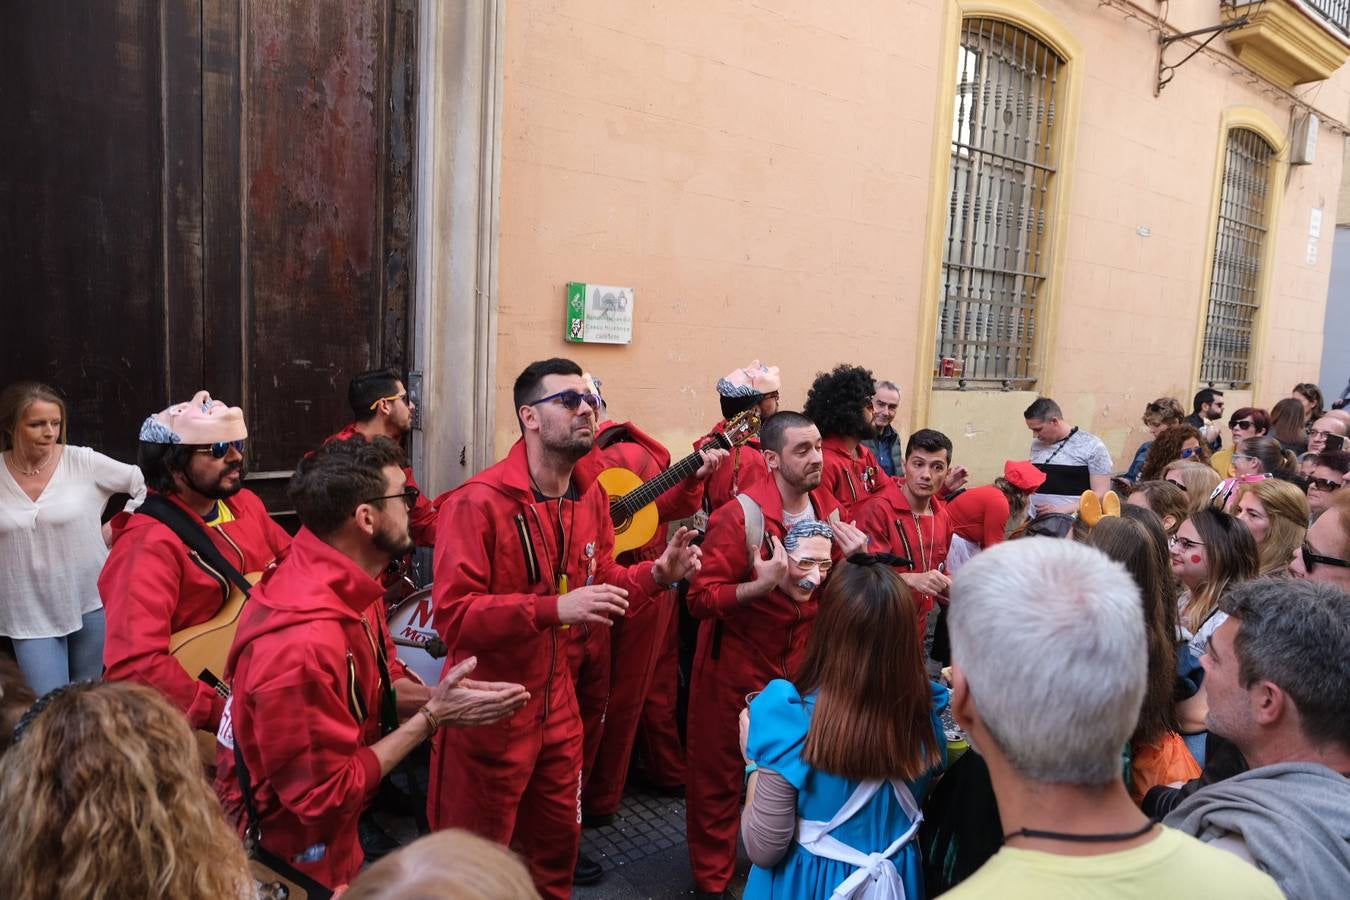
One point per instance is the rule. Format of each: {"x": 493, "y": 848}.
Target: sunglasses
{"x": 220, "y": 448}
{"x": 1324, "y": 484}
{"x": 806, "y": 562}
{"x": 571, "y": 399}
{"x": 1174, "y": 481}
{"x": 1242, "y": 423}
{"x": 409, "y": 496}
{"x": 391, "y": 398}
{"x": 1311, "y": 559}
{"x": 1189, "y": 452}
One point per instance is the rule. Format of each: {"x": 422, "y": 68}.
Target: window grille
{"x": 1236, "y": 276}
{"x": 1003, "y": 162}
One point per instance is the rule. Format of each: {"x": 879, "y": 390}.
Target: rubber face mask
{"x": 808, "y": 564}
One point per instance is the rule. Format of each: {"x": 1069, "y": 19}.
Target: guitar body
{"x": 636, "y": 529}
{"x": 205, "y": 647}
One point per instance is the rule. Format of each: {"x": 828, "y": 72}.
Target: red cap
{"x": 1023, "y": 475}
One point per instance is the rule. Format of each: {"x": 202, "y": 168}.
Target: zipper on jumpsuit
{"x": 787, "y": 647}
{"x": 553, "y": 629}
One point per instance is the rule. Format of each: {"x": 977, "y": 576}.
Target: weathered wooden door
{"x": 206, "y": 194}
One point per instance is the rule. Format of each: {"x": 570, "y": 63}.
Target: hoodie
{"x": 305, "y": 708}
{"x": 153, "y": 586}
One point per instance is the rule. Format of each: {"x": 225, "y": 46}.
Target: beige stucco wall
{"x": 761, "y": 175}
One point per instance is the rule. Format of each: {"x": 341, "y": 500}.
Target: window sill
{"x": 1283, "y": 44}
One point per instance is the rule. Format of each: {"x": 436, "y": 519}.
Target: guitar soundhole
{"x": 622, "y": 525}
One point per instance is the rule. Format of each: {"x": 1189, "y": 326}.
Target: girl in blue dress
{"x": 841, "y": 758}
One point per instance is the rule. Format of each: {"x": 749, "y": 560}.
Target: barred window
{"x": 1235, "y": 280}
{"x": 996, "y": 257}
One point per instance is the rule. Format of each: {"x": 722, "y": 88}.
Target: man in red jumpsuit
{"x": 840, "y": 403}
{"x": 755, "y": 385}
{"x": 152, "y": 585}
{"x": 524, "y": 553}
{"x": 905, "y": 518}
{"x": 636, "y": 641}
{"x": 382, "y": 407}
{"x": 318, "y": 693}
{"x": 752, "y": 632}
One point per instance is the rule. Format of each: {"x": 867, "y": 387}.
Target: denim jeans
{"x": 48, "y": 663}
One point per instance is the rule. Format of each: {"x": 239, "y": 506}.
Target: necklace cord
{"x": 1079, "y": 838}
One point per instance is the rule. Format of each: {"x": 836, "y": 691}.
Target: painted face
{"x": 808, "y": 564}
{"x": 1326, "y": 537}
{"x": 1246, "y": 465}
{"x": 884, "y": 406}
{"x": 801, "y": 461}
{"x": 39, "y": 426}
{"x": 1190, "y": 563}
{"x": 1325, "y": 482}
{"x": 567, "y": 432}
{"x": 1047, "y": 431}
{"x": 925, "y": 471}
{"x": 392, "y": 533}
{"x": 1252, "y": 513}
{"x": 1230, "y": 713}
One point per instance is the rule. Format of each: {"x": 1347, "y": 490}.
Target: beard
{"x": 804, "y": 480}
{"x": 216, "y": 489}
{"x": 568, "y": 442}
{"x": 396, "y": 545}
{"x": 867, "y": 431}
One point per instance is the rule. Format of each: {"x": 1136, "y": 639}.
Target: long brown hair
{"x": 1137, "y": 541}
{"x": 1286, "y": 422}
{"x": 16, "y": 398}
{"x": 873, "y": 712}
{"x": 1165, "y": 499}
{"x": 102, "y": 797}
{"x": 1167, "y": 447}
{"x": 1230, "y": 556}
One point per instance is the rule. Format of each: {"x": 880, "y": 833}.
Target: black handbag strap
{"x": 159, "y": 507}
{"x": 253, "y": 838}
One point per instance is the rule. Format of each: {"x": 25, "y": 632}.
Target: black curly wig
{"x": 837, "y": 399}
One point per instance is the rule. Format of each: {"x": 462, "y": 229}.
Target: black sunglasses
{"x": 1310, "y": 559}
{"x": 571, "y": 399}
{"x": 220, "y": 448}
{"x": 1242, "y": 423}
{"x": 409, "y": 496}
{"x": 1324, "y": 484}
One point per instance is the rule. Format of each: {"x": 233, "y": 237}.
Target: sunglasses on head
{"x": 571, "y": 399}
{"x": 1311, "y": 559}
{"x": 220, "y": 448}
{"x": 1324, "y": 484}
{"x": 409, "y": 496}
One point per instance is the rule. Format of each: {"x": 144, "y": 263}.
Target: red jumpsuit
{"x": 980, "y": 515}
{"x": 636, "y": 641}
{"x": 304, "y": 651}
{"x": 422, "y": 519}
{"x": 740, "y": 649}
{"x": 887, "y": 519}
{"x": 501, "y": 558}
{"x": 849, "y": 478}
{"x": 152, "y": 587}
{"x": 742, "y": 470}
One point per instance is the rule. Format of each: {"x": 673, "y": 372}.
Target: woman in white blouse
{"x": 52, "y": 545}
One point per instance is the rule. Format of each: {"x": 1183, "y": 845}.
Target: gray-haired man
{"x": 886, "y": 446}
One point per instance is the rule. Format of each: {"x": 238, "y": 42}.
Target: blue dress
{"x": 779, "y": 718}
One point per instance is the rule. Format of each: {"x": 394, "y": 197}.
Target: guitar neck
{"x": 624, "y": 507}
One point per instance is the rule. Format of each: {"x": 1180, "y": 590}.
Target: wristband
{"x": 431, "y": 718}
{"x": 750, "y": 769}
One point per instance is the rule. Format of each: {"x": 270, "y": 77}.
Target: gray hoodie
{"x": 1294, "y": 819}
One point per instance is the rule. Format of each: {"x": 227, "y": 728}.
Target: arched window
{"x": 1235, "y": 279}
{"x": 996, "y": 254}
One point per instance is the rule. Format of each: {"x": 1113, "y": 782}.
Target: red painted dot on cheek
{"x": 1195, "y": 558}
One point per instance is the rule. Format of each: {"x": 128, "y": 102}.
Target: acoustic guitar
{"x": 632, "y": 504}
{"x": 202, "y": 649}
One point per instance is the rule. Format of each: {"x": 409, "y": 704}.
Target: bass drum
{"x": 410, "y": 625}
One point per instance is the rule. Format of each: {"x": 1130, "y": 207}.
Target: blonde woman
{"x": 52, "y": 543}
{"x": 1276, "y": 513}
{"x": 452, "y": 865}
{"x": 102, "y": 797}
{"x": 1197, "y": 479}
